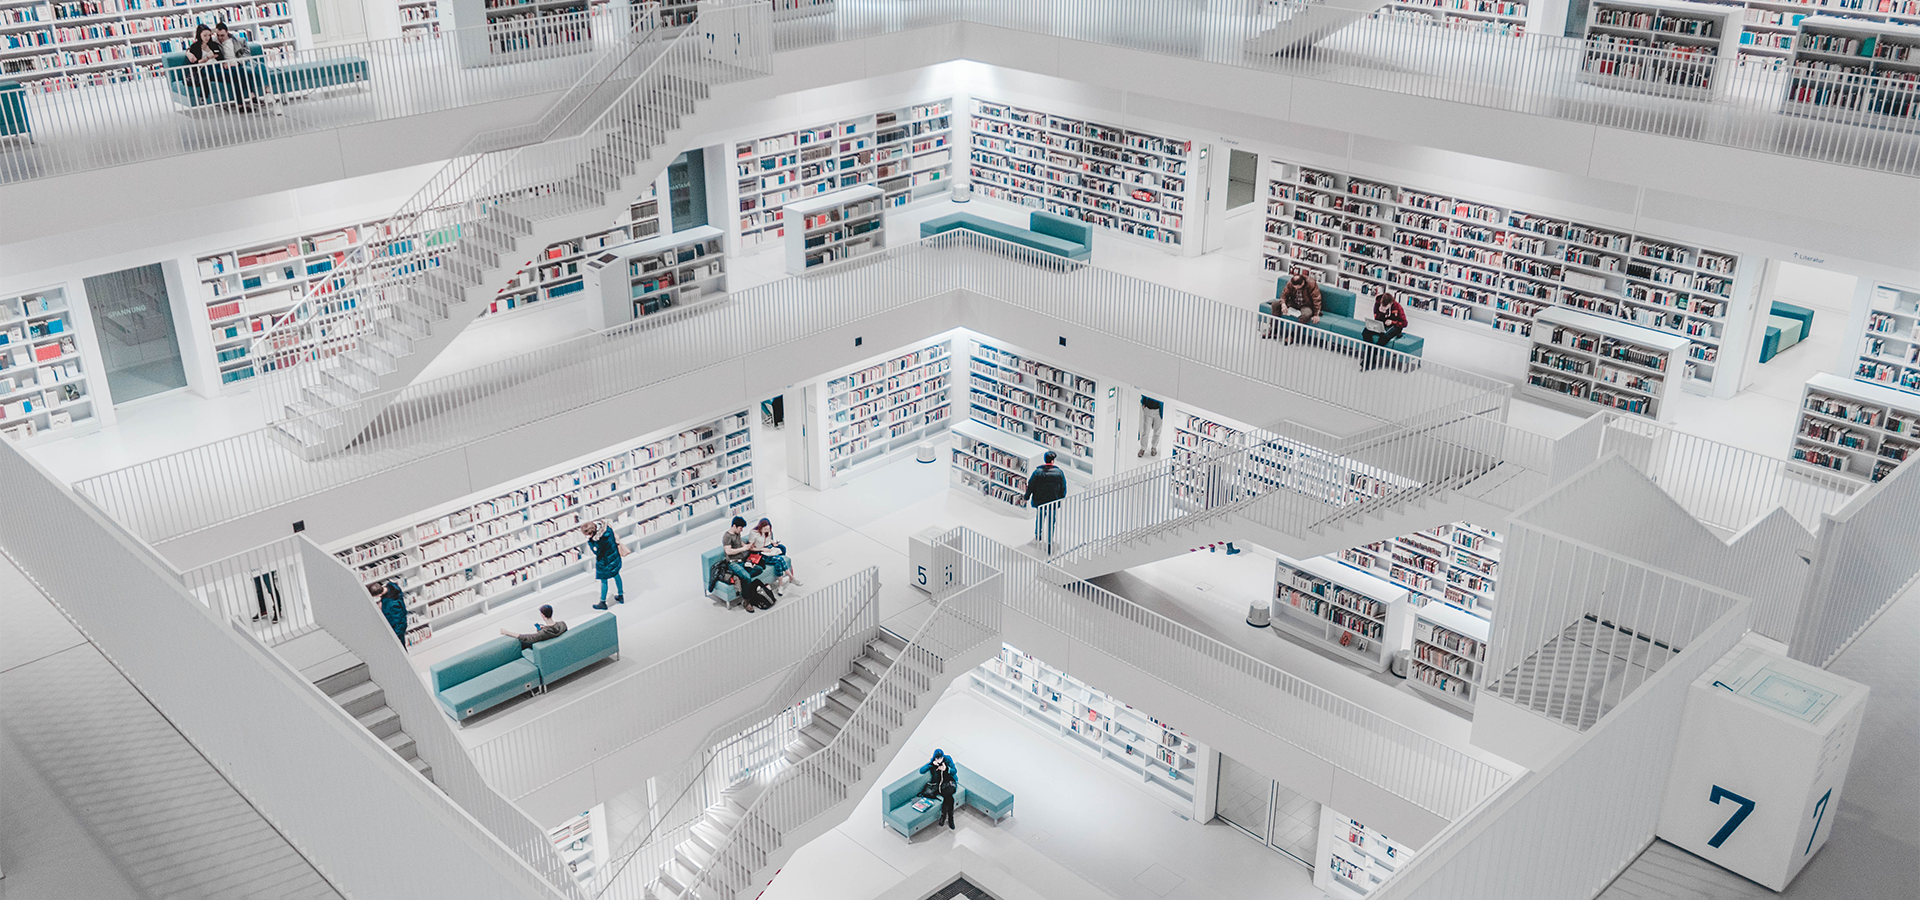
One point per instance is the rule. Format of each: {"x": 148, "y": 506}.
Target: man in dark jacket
{"x": 1047, "y": 484}
{"x": 942, "y": 782}
{"x": 1300, "y": 300}
{"x": 393, "y": 605}
{"x": 548, "y": 630}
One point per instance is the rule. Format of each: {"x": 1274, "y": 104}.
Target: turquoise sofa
{"x": 1046, "y": 232}
{"x": 897, "y": 813}
{"x": 483, "y": 678}
{"x": 268, "y": 77}
{"x": 583, "y": 645}
{"x": 1336, "y": 316}
{"x": 1787, "y": 325}
{"x": 725, "y": 589}
{"x": 13, "y": 110}
{"x": 498, "y": 670}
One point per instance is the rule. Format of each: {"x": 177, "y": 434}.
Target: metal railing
{"x": 795, "y": 638}
{"x": 184, "y": 492}
{"x": 1723, "y": 486}
{"x": 342, "y": 607}
{"x": 303, "y": 91}
{"x": 263, "y": 590}
{"x": 1868, "y": 557}
{"x": 1365, "y": 744}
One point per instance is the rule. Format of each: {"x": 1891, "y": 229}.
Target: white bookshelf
{"x": 499, "y": 32}
{"x": 1358, "y": 616}
{"x": 1457, "y": 565}
{"x": 1039, "y": 402}
{"x": 418, "y": 18}
{"x": 44, "y": 389}
{"x": 1695, "y": 43}
{"x": 1580, "y": 360}
{"x": 1130, "y": 182}
{"x": 1464, "y": 262}
{"x": 1856, "y": 70}
{"x": 784, "y": 10}
{"x": 1355, "y": 860}
{"x": 1278, "y": 463}
{"x": 483, "y": 551}
{"x": 993, "y": 463}
{"x": 558, "y": 272}
{"x": 1487, "y": 16}
{"x": 906, "y": 152}
{"x": 1890, "y": 346}
{"x": 1163, "y": 760}
{"x": 1859, "y": 430}
{"x": 55, "y": 46}
{"x": 834, "y": 227}
{"x": 671, "y": 271}
{"x": 249, "y": 290}
{"x": 581, "y": 844}
{"x": 1449, "y": 649}
{"x": 888, "y": 406}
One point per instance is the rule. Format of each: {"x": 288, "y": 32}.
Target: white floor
{"x": 1078, "y": 832}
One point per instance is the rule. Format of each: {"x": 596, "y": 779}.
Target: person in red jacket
{"x": 1389, "y": 322}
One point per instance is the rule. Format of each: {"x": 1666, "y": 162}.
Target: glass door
{"x": 1268, "y": 811}
{"x": 133, "y": 318}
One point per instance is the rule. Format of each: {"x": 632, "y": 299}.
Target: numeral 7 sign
{"x": 1744, "y": 808}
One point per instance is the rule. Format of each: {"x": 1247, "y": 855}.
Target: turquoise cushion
{"x": 1410, "y": 344}
{"x": 1059, "y": 226}
{"x": 983, "y": 795}
{"x": 583, "y": 645}
{"x": 309, "y": 76}
{"x": 490, "y": 688}
{"x": 1790, "y": 311}
{"x": 1336, "y": 301}
{"x": 489, "y": 655}
{"x": 13, "y": 109}
{"x": 1770, "y": 345}
{"x": 1789, "y": 330}
{"x": 1010, "y": 233}
{"x": 1341, "y": 325}
{"x": 725, "y": 590}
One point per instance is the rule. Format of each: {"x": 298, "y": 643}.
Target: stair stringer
{"x": 1306, "y": 25}
{"x": 332, "y": 407}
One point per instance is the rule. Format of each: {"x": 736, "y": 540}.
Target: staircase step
{"x": 343, "y": 679}
{"x": 361, "y": 698}
{"x": 820, "y": 731}
{"x": 833, "y": 714}
{"x": 382, "y": 721}
{"x": 402, "y": 743}
{"x": 694, "y": 855}
{"x": 420, "y": 765}
{"x": 891, "y": 640}
{"x": 870, "y": 667}
{"x": 857, "y": 683}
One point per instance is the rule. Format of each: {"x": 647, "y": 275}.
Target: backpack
{"x": 758, "y": 595}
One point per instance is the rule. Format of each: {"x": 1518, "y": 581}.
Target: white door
{"x": 337, "y": 21}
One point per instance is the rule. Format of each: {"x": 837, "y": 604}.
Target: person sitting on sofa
{"x": 1301, "y": 300}
{"x": 232, "y": 53}
{"x": 738, "y": 549}
{"x": 548, "y": 629}
{"x": 1389, "y": 322}
{"x": 774, "y": 553}
{"x": 942, "y": 782}
{"x": 201, "y": 55}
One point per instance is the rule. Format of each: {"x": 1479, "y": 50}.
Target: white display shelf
{"x": 1042, "y": 403}
{"x": 1457, "y": 565}
{"x": 44, "y": 389}
{"x": 1695, "y": 43}
{"x": 53, "y": 46}
{"x": 1855, "y": 71}
{"x": 671, "y": 271}
{"x": 470, "y": 556}
{"x": 1476, "y": 264}
{"x": 418, "y": 18}
{"x": 1128, "y": 181}
{"x": 1357, "y": 615}
{"x": 834, "y": 227}
{"x": 907, "y": 153}
{"x": 1890, "y": 346}
{"x": 581, "y": 844}
{"x": 1160, "y": 758}
{"x": 499, "y": 32}
{"x": 1449, "y": 648}
{"x": 993, "y": 463}
{"x": 1580, "y": 360}
{"x": 1860, "y": 430}
{"x": 1276, "y": 464}
{"x": 1489, "y": 16}
{"x": 1354, "y": 860}
{"x": 558, "y": 271}
{"x": 890, "y": 405}
{"x": 1772, "y": 24}
{"x": 250, "y": 290}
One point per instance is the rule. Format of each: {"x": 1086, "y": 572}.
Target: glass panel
{"x": 1296, "y": 824}
{"x": 133, "y": 318}
{"x": 1244, "y": 796}
{"x": 1242, "y": 169}
{"x": 687, "y": 190}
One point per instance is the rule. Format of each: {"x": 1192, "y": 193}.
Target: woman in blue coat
{"x": 606, "y": 561}
{"x": 393, "y": 605}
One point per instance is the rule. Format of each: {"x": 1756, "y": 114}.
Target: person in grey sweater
{"x": 1047, "y": 484}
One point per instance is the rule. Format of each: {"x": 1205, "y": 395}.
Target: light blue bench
{"x": 725, "y": 590}
{"x": 13, "y": 110}
{"x": 1047, "y": 232}
{"x": 185, "y": 81}
{"x": 1336, "y": 316}
{"x": 498, "y": 670}
{"x": 1787, "y": 325}
{"x": 897, "y": 812}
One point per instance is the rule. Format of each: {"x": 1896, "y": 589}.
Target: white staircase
{"x": 477, "y": 225}
{"x": 1302, "y": 25}
{"x": 346, "y": 681}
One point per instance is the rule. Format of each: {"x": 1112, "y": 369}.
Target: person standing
{"x": 1047, "y": 484}
{"x": 1301, "y": 300}
{"x": 606, "y": 560}
{"x": 393, "y": 605}
{"x": 1389, "y": 322}
{"x": 1152, "y": 413}
{"x": 943, "y": 780}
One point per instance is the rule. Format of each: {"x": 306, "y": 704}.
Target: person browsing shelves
{"x": 546, "y": 630}
{"x": 1301, "y": 301}
{"x": 393, "y": 605}
{"x": 606, "y": 560}
{"x": 1389, "y": 322}
{"x": 1047, "y": 484}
